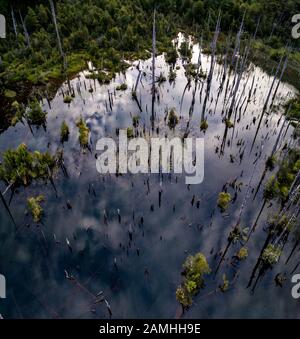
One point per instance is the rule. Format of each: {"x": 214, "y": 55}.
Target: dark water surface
{"x": 139, "y": 277}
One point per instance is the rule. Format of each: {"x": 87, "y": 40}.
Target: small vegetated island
{"x": 149, "y": 245}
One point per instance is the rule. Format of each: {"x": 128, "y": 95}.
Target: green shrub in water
{"x": 35, "y": 115}
{"x": 135, "y": 121}
{"x": 84, "y": 133}
{"x": 271, "y": 255}
{"x": 64, "y": 132}
{"x": 130, "y": 133}
{"x": 122, "y": 87}
{"x": 34, "y": 205}
{"x": 194, "y": 268}
{"x": 242, "y": 254}
{"x": 224, "y": 200}
{"x": 21, "y": 167}
{"x": 172, "y": 119}
{"x": 68, "y": 99}
{"x": 204, "y": 125}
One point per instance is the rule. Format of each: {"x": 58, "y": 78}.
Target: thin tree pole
{"x": 63, "y": 56}
{"x": 14, "y": 21}
{"x": 25, "y": 30}
{"x": 7, "y": 208}
{"x": 153, "y": 66}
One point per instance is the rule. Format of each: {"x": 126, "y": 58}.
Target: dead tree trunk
{"x": 25, "y": 30}
{"x": 14, "y": 22}
{"x": 153, "y": 67}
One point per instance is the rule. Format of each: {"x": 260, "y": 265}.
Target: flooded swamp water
{"x": 137, "y": 261}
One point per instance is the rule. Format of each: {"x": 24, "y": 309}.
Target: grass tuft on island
{"x": 84, "y": 133}
{"x": 64, "y": 132}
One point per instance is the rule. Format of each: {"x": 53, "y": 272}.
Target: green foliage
{"x": 34, "y": 114}
{"x": 279, "y": 223}
{"x": 194, "y": 268}
{"x": 185, "y": 50}
{"x": 130, "y": 133}
{"x": 106, "y": 32}
{"x": 190, "y": 70}
{"x": 136, "y": 121}
{"x": 105, "y": 78}
{"x": 229, "y": 123}
{"x": 172, "y": 119}
{"x": 172, "y": 75}
{"x": 171, "y": 56}
{"x": 204, "y": 125}
{"x": 271, "y": 255}
{"x": 126, "y": 26}
{"x": 271, "y": 189}
{"x": 294, "y": 113}
{"x": 31, "y": 20}
{"x": 276, "y": 54}
{"x": 8, "y": 93}
{"x": 68, "y": 99}
{"x": 271, "y": 162}
{"x": 64, "y": 132}
{"x": 235, "y": 235}
{"x": 224, "y": 287}
{"x": 34, "y": 205}
{"x": 242, "y": 254}
{"x": 43, "y": 15}
{"x": 183, "y": 297}
{"x": 278, "y": 185}
{"x": 122, "y": 87}
{"x": 21, "y": 167}
{"x": 134, "y": 95}
{"x": 224, "y": 200}
{"x": 17, "y": 111}
{"x": 84, "y": 133}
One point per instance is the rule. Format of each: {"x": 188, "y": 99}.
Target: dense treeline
{"x": 108, "y": 31}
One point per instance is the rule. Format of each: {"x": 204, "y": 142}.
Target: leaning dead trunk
{"x": 25, "y": 30}
{"x": 14, "y": 21}
{"x": 244, "y": 203}
{"x": 7, "y": 208}
{"x": 212, "y": 65}
{"x": 64, "y": 60}
{"x": 257, "y": 218}
{"x": 266, "y": 103}
{"x": 270, "y": 157}
{"x": 56, "y": 29}
{"x": 235, "y": 59}
{"x": 279, "y": 80}
{"x": 238, "y": 81}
